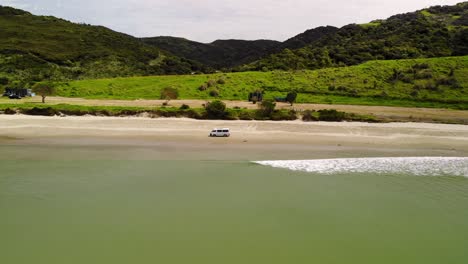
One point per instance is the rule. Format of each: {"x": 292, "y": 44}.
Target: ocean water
{"x": 111, "y": 209}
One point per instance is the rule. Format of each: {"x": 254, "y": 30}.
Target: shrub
{"x": 221, "y": 81}
{"x": 202, "y": 88}
{"x": 421, "y": 66}
{"x": 414, "y": 93}
{"x": 425, "y": 74}
{"x": 418, "y": 86}
{"x": 279, "y": 115}
{"x": 245, "y": 115}
{"x": 184, "y": 107}
{"x": 432, "y": 86}
{"x": 342, "y": 89}
{"x": 216, "y": 109}
{"x": 193, "y": 114}
{"x": 169, "y": 93}
{"x": 331, "y": 88}
{"x": 308, "y": 116}
{"x": 449, "y": 81}
{"x": 214, "y": 93}
{"x": 9, "y": 111}
{"x": 210, "y": 83}
{"x": 267, "y": 107}
{"x": 331, "y": 115}
{"x": 406, "y": 79}
{"x": 49, "y": 111}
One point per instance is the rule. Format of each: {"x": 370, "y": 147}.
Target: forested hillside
{"x": 434, "y": 32}
{"x": 220, "y": 54}
{"x": 34, "y": 48}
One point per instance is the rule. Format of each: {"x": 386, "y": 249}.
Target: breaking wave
{"x": 424, "y": 166}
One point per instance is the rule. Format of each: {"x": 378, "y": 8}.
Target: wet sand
{"x": 171, "y": 138}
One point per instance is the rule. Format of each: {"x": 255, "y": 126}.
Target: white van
{"x": 220, "y": 132}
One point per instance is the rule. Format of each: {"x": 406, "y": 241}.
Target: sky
{"x": 208, "y": 20}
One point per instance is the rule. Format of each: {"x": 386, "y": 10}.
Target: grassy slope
{"x": 366, "y": 84}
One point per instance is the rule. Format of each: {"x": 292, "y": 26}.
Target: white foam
{"x": 425, "y": 166}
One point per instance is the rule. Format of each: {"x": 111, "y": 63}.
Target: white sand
{"x": 259, "y": 139}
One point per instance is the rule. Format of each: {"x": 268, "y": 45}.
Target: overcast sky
{"x": 208, "y": 20}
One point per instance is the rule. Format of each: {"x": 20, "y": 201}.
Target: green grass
{"x": 365, "y": 84}
{"x": 371, "y": 24}
{"x": 426, "y": 13}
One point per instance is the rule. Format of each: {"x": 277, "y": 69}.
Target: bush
{"x": 210, "y": 83}
{"x": 421, "y": 66}
{"x": 202, "y": 88}
{"x": 214, "y": 93}
{"x": 9, "y": 111}
{"x": 279, "y": 115}
{"x": 184, "y": 107}
{"x": 407, "y": 79}
{"x": 425, "y": 74}
{"x": 418, "y": 86}
{"x": 448, "y": 81}
{"x": 308, "y": 116}
{"x": 245, "y": 115}
{"x": 432, "y": 86}
{"x": 193, "y": 114}
{"x": 331, "y": 115}
{"x": 221, "y": 81}
{"x": 342, "y": 89}
{"x": 49, "y": 111}
{"x": 169, "y": 93}
{"x": 216, "y": 109}
{"x": 267, "y": 107}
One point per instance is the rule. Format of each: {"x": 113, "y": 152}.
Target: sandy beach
{"x": 187, "y": 138}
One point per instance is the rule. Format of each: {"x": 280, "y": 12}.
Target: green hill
{"x": 434, "y": 32}
{"x": 35, "y": 48}
{"x": 218, "y": 54}
{"x": 41, "y": 47}
{"x": 439, "y": 82}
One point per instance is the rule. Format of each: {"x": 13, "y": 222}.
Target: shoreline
{"x": 182, "y": 138}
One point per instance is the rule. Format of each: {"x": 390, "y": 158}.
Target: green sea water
{"x": 142, "y": 210}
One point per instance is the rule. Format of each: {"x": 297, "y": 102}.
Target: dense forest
{"x": 34, "y": 48}
{"x": 434, "y": 32}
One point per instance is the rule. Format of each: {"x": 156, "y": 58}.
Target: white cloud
{"x": 207, "y": 20}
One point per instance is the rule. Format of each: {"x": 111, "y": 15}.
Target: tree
{"x": 169, "y": 93}
{"x": 216, "y": 109}
{"x": 4, "y": 81}
{"x": 291, "y": 97}
{"x": 267, "y": 107}
{"x": 44, "y": 89}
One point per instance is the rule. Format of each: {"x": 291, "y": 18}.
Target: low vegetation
{"x": 214, "y": 110}
{"x": 438, "y": 82}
